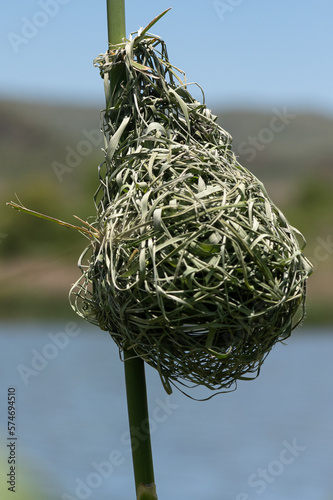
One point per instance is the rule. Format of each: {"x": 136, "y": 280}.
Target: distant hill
{"x": 284, "y": 142}
{"x": 49, "y": 158}
{"x": 38, "y": 134}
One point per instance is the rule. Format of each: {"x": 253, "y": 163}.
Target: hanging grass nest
{"x": 194, "y": 268}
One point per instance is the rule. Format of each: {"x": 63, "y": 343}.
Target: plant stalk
{"x": 116, "y": 33}
{"x": 134, "y": 366}
{"x": 139, "y": 426}
{"x": 116, "y": 21}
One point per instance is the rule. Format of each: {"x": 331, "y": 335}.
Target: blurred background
{"x": 266, "y": 72}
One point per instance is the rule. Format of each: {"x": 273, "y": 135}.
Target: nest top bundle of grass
{"x": 194, "y": 269}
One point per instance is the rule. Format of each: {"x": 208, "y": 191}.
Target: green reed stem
{"x": 134, "y": 366}
{"x": 116, "y": 21}
{"x": 139, "y": 426}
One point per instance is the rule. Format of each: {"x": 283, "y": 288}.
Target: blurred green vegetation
{"x": 38, "y": 259}
{"x": 26, "y": 481}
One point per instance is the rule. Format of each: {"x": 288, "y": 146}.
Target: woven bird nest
{"x": 194, "y": 268}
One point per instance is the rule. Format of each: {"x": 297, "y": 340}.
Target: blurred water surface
{"x": 271, "y": 438}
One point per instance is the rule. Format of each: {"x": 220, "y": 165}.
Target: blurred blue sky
{"x": 252, "y": 53}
